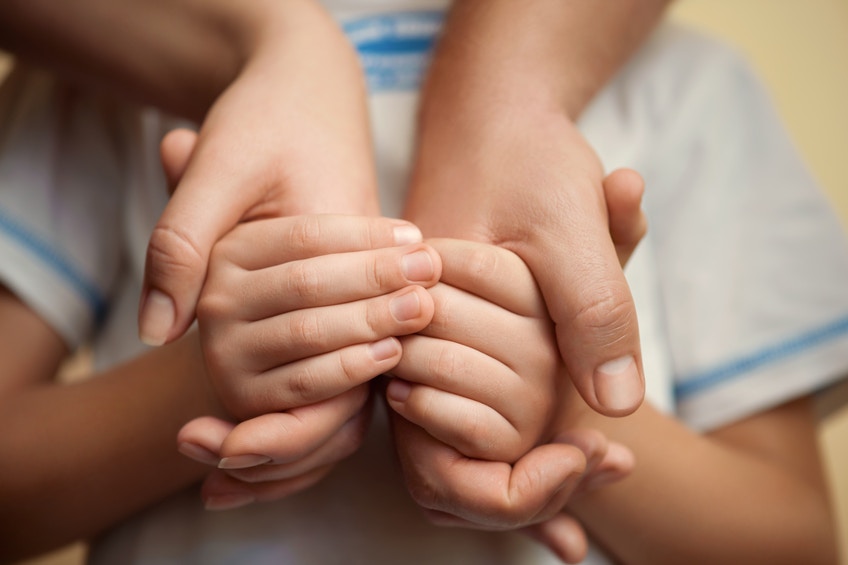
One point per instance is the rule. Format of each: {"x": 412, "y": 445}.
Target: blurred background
{"x": 801, "y": 52}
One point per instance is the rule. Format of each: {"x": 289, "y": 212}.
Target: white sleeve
{"x": 752, "y": 260}
{"x": 60, "y": 193}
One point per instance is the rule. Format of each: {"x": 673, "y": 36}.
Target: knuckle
{"x": 303, "y": 385}
{"x": 213, "y": 305}
{"x": 351, "y": 370}
{"x": 306, "y": 329}
{"x": 304, "y": 281}
{"x": 445, "y": 365}
{"x": 170, "y": 249}
{"x": 424, "y": 493}
{"x": 305, "y": 232}
{"x": 375, "y": 275}
{"x": 475, "y": 435}
{"x": 609, "y": 312}
{"x": 482, "y": 264}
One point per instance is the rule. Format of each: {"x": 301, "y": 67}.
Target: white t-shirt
{"x": 740, "y": 284}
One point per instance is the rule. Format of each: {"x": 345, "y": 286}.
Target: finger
{"x": 220, "y": 491}
{"x": 303, "y": 333}
{"x": 311, "y": 380}
{"x": 468, "y": 319}
{"x": 266, "y": 243}
{"x": 492, "y": 494}
{"x": 623, "y": 189}
{"x": 201, "y": 439}
{"x": 472, "y": 428}
{"x": 175, "y": 151}
{"x": 336, "y": 279}
{"x": 284, "y": 437}
{"x": 339, "y": 445}
{"x": 492, "y": 273}
{"x": 592, "y": 443}
{"x": 181, "y": 242}
{"x": 179, "y": 246}
{"x": 458, "y": 369}
{"x": 563, "y": 535}
{"x": 617, "y": 464}
{"x": 590, "y": 302}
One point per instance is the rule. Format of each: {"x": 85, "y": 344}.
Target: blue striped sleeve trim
{"x": 394, "y": 48}
{"x": 53, "y": 259}
{"x": 729, "y": 371}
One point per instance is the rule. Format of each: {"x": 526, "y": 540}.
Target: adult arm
{"x": 501, "y": 160}
{"x": 278, "y": 91}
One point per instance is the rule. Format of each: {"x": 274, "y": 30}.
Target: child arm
{"x": 750, "y": 492}
{"x": 79, "y": 457}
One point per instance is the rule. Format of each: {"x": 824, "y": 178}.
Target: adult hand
{"x": 288, "y": 136}
{"x": 530, "y": 183}
{"x": 500, "y": 160}
{"x": 532, "y": 493}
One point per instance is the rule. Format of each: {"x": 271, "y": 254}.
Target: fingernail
{"x": 398, "y": 390}
{"x": 243, "y": 461}
{"x": 405, "y": 307}
{"x": 417, "y": 266}
{"x": 618, "y": 385}
{"x": 383, "y": 349}
{"x": 198, "y": 453}
{"x": 406, "y": 234}
{"x": 228, "y": 501}
{"x": 157, "y": 318}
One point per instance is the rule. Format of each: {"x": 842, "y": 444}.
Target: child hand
{"x": 296, "y": 316}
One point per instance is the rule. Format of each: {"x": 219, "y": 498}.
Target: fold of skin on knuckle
{"x": 424, "y": 492}
{"x": 172, "y": 252}
{"x": 304, "y": 328}
{"x": 304, "y": 281}
{"x": 606, "y": 312}
{"x": 305, "y": 233}
{"x": 303, "y": 387}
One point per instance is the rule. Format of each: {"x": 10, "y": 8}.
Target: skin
{"x": 301, "y": 360}
{"x": 103, "y": 478}
{"x": 243, "y": 70}
{"x": 504, "y": 163}
{"x": 255, "y": 462}
{"x": 751, "y": 492}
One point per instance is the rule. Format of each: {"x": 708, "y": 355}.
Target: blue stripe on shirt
{"x": 56, "y": 261}
{"x": 394, "y": 48}
{"x": 706, "y": 379}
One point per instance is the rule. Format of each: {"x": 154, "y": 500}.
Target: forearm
{"x": 506, "y": 84}
{"x": 78, "y": 458}
{"x": 179, "y": 55}
{"x": 552, "y": 53}
{"x": 695, "y": 499}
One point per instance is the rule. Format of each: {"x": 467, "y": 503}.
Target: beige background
{"x": 801, "y": 51}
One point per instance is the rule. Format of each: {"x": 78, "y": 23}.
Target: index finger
{"x": 265, "y": 243}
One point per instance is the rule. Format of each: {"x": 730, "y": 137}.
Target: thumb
{"x": 590, "y": 302}
{"x": 175, "y": 152}
{"x": 623, "y": 190}
{"x": 182, "y": 240}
